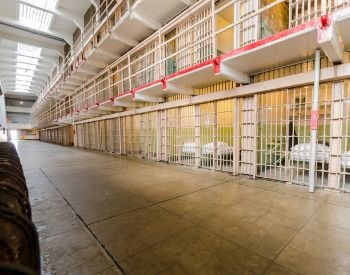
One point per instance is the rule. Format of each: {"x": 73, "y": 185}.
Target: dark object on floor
{"x": 19, "y": 245}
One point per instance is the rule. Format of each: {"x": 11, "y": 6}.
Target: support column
{"x": 314, "y": 123}
{"x": 336, "y": 134}
{"x": 215, "y": 137}
{"x": 236, "y": 133}
{"x": 159, "y": 137}
{"x": 197, "y": 137}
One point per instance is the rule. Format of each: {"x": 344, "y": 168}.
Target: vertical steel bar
{"x": 314, "y": 122}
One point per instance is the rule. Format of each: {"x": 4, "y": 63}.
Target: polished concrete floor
{"x": 103, "y": 214}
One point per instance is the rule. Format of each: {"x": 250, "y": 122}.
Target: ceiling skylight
{"x": 35, "y": 18}
{"x": 45, "y": 4}
{"x": 24, "y": 72}
{"x": 26, "y": 66}
{"x": 28, "y": 50}
{"x": 27, "y": 59}
{"x": 24, "y": 78}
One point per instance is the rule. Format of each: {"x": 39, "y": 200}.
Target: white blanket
{"x": 302, "y": 152}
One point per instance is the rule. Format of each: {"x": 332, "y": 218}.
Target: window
{"x": 36, "y": 18}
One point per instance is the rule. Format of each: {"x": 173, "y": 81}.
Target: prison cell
{"x": 144, "y": 66}
{"x": 208, "y": 136}
{"x": 248, "y": 114}
{"x": 120, "y": 77}
{"x": 186, "y": 142}
{"x": 283, "y": 135}
{"x": 148, "y": 135}
{"x": 227, "y": 141}
{"x": 170, "y": 128}
{"x": 339, "y": 137}
{"x": 131, "y": 127}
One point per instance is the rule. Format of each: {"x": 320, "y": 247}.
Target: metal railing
{"x": 197, "y": 35}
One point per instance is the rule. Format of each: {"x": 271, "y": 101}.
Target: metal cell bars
{"x": 132, "y": 129}
{"x": 247, "y": 31}
{"x": 247, "y": 135}
{"x": 148, "y": 135}
{"x": 144, "y": 64}
{"x": 187, "y": 142}
{"x": 120, "y": 77}
{"x": 207, "y": 134}
{"x": 274, "y": 135}
{"x": 170, "y": 129}
{"x": 340, "y": 137}
{"x": 301, "y": 11}
{"x": 225, "y": 133}
{"x": 299, "y": 114}
{"x": 102, "y": 87}
{"x": 189, "y": 42}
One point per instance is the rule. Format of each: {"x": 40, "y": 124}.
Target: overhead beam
{"x": 7, "y": 75}
{"x": 31, "y": 38}
{"x": 148, "y": 21}
{"x": 41, "y": 62}
{"x": 148, "y": 98}
{"x": 53, "y": 60}
{"x": 233, "y": 74}
{"x": 188, "y": 2}
{"x": 32, "y": 83}
{"x": 176, "y": 89}
{"x": 330, "y": 43}
{"x": 11, "y": 69}
{"x": 95, "y": 3}
{"x": 125, "y": 40}
{"x": 65, "y": 13}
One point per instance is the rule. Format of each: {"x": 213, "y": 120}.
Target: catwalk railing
{"x": 200, "y": 34}
{"x": 263, "y": 135}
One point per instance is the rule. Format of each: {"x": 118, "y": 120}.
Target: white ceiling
{"x": 67, "y": 15}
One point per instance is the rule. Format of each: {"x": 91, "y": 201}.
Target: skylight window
{"x": 24, "y": 72}
{"x": 28, "y": 50}
{"x": 35, "y": 18}
{"x": 23, "y": 83}
{"x": 26, "y": 66}
{"x": 24, "y": 78}
{"x": 27, "y": 59}
{"x": 45, "y": 4}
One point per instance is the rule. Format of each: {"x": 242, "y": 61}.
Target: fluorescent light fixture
{"x": 34, "y": 18}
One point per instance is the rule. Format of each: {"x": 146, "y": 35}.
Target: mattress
{"x": 188, "y": 147}
{"x": 302, "y": 152}
{"x": 345, "y": 159}
{"x": 222, "y": 149}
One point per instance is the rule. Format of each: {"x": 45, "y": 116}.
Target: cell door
{"x": 247, "y": 31}
{"x": 248, "y": 115}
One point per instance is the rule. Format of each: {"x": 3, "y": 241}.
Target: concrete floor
{"x": 97, "y": 213}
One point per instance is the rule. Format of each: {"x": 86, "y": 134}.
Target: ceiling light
{"x": 24, "y": 77}
{"x": 28, "y": 50}
{"x": 27, "y": 59}
{"x": 24, "y": 72}
{"x": 34, "y": 18}
{"x": 48, "y": 4}
{"x": 26, "y": 66}
{"x": 21, "y": 102}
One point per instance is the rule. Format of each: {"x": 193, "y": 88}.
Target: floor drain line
{"x": 103, "y": 247}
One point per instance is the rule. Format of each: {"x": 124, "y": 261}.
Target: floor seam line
{"x": 102, "y": 246}
{"x": 154, "y": 204}
{"x": 293, "y": 237}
